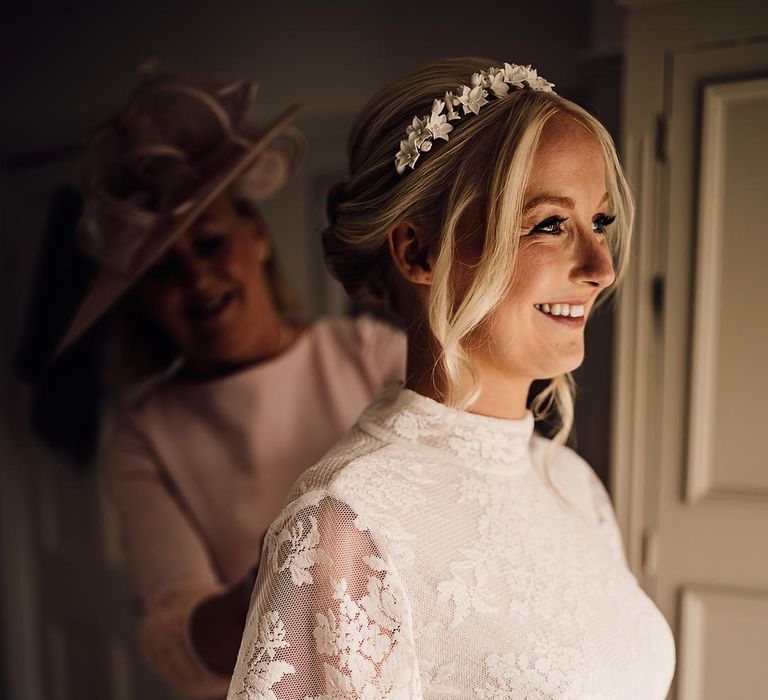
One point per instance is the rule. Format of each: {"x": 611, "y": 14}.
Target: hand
{"x": 217, "y": 626}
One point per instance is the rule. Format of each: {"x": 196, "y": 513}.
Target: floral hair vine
{"x": 494, "y": 82}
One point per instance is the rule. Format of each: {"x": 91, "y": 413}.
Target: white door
{"x": 713, "y": 499}
{"x": 693, "y": 469}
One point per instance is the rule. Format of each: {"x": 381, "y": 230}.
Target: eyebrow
{"x": 565, "y": 202}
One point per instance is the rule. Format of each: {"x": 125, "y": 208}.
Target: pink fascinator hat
{"x": 157, "y": 166}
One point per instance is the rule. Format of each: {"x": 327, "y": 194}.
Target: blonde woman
{"x": 443, "y": 549}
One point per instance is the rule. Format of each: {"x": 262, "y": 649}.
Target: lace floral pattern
{"x": 360, "y": 640}
{"x": 303, "y": 553}
{"x": 263, "y": 670}
{"x": 544, "y": 672}
{"x": 427, "y": 557}
{"x": 494, "y": 442}
{"x": 475, "y": 576}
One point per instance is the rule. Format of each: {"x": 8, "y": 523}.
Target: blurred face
{"x": 564, "y": 261}
{"x": 209, "y": 293}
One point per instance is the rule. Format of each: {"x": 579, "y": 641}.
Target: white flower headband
{"x": 494, "y": 82}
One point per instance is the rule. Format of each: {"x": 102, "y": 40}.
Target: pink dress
{"x": 198, "y": 472}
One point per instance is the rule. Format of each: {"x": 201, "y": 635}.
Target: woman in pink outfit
{"x": 200, "y": 462}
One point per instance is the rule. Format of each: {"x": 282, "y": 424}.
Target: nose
{"x": 195, "y": 272}
{"x": 593, "y": 265}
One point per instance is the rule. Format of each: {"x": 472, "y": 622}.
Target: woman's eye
{"x": 210, "y": 245}
{"x": 552, "y": 225}
{"x": 164, "y": 269}
{"x": 601, "y": 222}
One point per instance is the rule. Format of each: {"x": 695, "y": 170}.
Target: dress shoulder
{"x": 577, "y": 482}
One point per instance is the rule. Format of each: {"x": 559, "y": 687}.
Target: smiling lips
{"x": 209, "y": 308}
{"x": 562, "y": 309}
{"x": 563, "y": 312}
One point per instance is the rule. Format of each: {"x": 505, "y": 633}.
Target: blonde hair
{"x": 482, "y": 172}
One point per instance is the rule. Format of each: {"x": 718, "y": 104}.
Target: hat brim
{"x": 274, "y": 167}
{"x": 110, "y": 285}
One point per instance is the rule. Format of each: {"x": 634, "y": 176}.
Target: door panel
{"x": 714, "y": 623}
{"x": 730, "y": 337}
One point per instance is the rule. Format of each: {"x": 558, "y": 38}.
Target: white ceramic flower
{"x": 439, "y": 126}
{"x": 452, "y": 101}
{"x": 481, "y": 79}
{"x": 535, "y": 81}
{"x": 418, "y": 129}
{"x": 531, "y": 74}
{"x": 498, "y": 87}
{"x": 514, "y": 74}
{"x": 472, "y": 99}
{"x": 540, "y": 84}
{"x": 406, "y": 156}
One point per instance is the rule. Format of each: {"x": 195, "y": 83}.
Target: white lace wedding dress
{"x": 426, "y": 556}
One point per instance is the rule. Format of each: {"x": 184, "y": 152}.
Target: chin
{"x": 562, "y": 366}
{"x": 571, "y": 366}
{"x": 213, "y": 348}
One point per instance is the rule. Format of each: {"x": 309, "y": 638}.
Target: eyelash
{"x": 601, "y": 220}
{"x": 556, "y": 221}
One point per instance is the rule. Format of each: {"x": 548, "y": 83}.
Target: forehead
{"x": 567, "y": 156}
{"x": 220, "y": 209}
{"x": 219, "y": 217}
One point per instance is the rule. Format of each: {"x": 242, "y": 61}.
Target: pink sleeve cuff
{"x": 165, "y": 639}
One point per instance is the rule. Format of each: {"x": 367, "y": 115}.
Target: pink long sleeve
{"x": 169, "y": 562}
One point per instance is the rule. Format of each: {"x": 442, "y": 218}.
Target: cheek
{"x": 164, "y": 305}
{"x": 536, "y": 269}
{"x": 242, "y": 265}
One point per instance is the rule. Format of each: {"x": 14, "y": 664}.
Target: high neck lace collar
{"x": 481, "y": 441}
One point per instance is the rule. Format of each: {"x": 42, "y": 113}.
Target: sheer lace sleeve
{"x": 328, "y": 617}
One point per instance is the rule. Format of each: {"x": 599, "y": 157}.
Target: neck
{"x": 268, "y": 344}
{"x": 501, "y": 395}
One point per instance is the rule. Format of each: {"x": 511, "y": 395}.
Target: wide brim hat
{"x": 159, "y": 164}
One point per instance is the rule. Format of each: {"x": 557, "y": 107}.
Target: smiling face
{"x": 209, "y": 293}
{"x": 564, "y": 261}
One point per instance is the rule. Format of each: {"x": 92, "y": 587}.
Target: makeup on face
{"x": 564, "y": 261}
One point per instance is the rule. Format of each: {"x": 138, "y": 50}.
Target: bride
{"x": 443, "y": 549}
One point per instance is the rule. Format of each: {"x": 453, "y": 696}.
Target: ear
{"x": 264, "y": 248}
{"x": 261, "y": 240}
{"x": 411, "y": 252}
